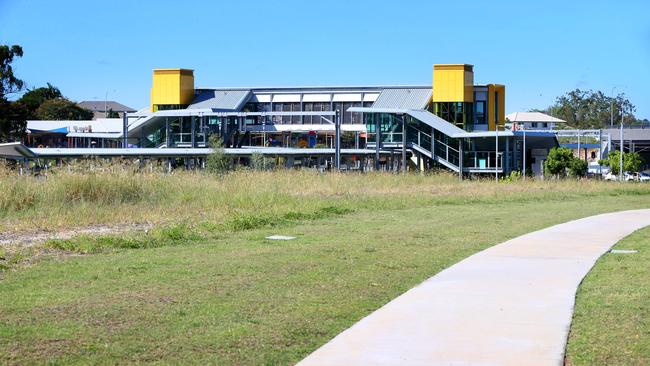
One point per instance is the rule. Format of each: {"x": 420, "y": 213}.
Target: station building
{"x": 452, "y": 123}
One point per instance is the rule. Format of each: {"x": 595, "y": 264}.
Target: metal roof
{"x": 316, "y": 89}
{"x": 408, "y": 98}
{"x": 64, "y": 126}
{"x": 101, "y": 106}
{"x": 222, "y": 100}
{"x": 634, "y": 134}
{"x": 174, "y": 152}
{"x": 15, "y": 150}
{"x": 532, "y": 117}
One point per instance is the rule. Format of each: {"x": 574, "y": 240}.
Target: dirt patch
{"x": 32, "y": 238}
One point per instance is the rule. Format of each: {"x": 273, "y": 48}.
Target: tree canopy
{"x": 632, "y": 162}
{"x": 592, "y": 109}
{"x": 13, "y": 115}
{"x": 35, "y": 97}
{"x": 560, "y": 160}
{"x": 9, "y": 83}
{"x": 62, "y": 109}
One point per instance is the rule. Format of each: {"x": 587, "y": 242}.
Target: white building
{"x": 533, "y": 121}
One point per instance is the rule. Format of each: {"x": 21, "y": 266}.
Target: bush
{"x": 632, "y": 161}
{"x": 578, "y": 168}
{"x": 558, "y": 161}
{"x": 260, "y": 162}
{"x": 217, "y": 162}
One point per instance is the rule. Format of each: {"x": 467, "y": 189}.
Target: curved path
{"x": 510, "y": 304}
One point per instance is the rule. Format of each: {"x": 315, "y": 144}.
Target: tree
{"x": 578, "y": 167}
{"x": 632, "y": 162}
{"x": 591, "y": 109}
{"x": 13, "y": 120}
{"x": 13, "y": 115}
{"x": 558, "y": 161}
{"x": 62, "y": 109}
{"x": 217, "y": 162}
{"x": 35, "y": 97}
{"x": 112, "y": 114}
{"x": 8, "y": 82}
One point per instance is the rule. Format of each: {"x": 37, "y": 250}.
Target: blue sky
{"x": 539, "y": 49}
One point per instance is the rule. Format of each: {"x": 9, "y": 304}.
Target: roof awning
{"x": 15, "y": 150}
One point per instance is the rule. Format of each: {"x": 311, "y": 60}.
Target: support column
{"x": 433, "y": 143}
{"x": 193, "y": 130}
{"x": 404, "y": 144}
{"x": 460, "y": 159}
{"x": 168, "y": 138}
{"x": 507, "y": 157}
{"x": 377, "y": 140}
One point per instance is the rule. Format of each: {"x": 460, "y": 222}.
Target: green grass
{"x": 120, "y": 194}
{"x": 215, "y": 291}
{"x": 611, "y": 321}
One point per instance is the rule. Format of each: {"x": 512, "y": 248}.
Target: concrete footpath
{"x": 510, "y": 304}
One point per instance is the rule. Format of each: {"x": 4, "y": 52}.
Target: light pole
{"x": 496, "y": 152}
{"x": 620, "y": 172}
{"x": 524, "y": 148}
{"x": 611, "y": 121}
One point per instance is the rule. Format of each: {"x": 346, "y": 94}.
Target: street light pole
{"x": 524, "y": 148}
{"x": 611, "y": 121}
{"x": 496, "y": 153}
{"x": 337, "y": 132}
{"x": 620, "y": 172}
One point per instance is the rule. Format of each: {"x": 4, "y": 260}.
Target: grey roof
{"x": 101, "y": 106}
{"x": 410, "y": 98}
{"x": 634, "y": 134}
{"x": 222, "y": 100}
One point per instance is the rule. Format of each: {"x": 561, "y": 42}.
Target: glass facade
{"x": 459, "y": 113}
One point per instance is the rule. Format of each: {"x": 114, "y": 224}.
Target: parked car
{"x": 610, "y": 176}
{"x": 637, "y": 177}
{"x": 626, "y": 177}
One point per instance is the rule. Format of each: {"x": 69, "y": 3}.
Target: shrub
{"x": 558, "y": 161}
{"x": 260, "y": 162}
{"x": 578, "y": 168}
{"x": 217, "y": 162}
{"x": 632, "y": 161}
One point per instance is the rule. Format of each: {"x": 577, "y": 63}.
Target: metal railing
{"x": 483, "y": 160}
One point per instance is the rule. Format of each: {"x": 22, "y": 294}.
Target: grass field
{"x": 206, "y": 287}
{"x": 611, "y": 322}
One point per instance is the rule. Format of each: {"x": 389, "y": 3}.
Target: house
{"x": 102, "y": 108}
{"x": 533, "y": 121}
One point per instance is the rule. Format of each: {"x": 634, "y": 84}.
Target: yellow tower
{"x": 453, "y": 93}
{"x": 453, "y": 83}
{"x": 172, "y": 89}
{"x": 496, "y": 106}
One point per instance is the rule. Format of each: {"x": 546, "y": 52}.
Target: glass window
{"x": 308, "y": 107}
{"x": 347, "y": 116}
{"x": 295, "y": 107}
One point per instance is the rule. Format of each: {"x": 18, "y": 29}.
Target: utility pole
{"x": 611, "y": 121}
{"x": 524, "y": 152}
